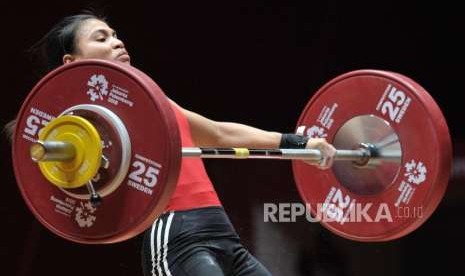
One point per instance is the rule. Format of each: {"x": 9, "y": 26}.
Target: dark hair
{"x": 47, "y": 53}
{"x": 9, "y": 129}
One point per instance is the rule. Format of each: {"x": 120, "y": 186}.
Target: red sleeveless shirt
{"x": 194, "y": 188}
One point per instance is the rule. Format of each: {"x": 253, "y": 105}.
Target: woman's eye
{"x": 101, "y": 39}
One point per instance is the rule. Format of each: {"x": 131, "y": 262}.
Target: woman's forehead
{"x": 90, "y": 26}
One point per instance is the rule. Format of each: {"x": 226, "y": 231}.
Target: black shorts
{"x": 196, "y": 242}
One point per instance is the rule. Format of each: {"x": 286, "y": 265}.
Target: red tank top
{"x": 194, "y": 188}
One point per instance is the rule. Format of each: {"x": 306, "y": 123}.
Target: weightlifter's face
{"x": 95, "y": 39}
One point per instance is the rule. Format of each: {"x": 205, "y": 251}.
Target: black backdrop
{"x": 254, "y": 62}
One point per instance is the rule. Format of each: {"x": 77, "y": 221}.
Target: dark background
{"x": 254, "y": 62}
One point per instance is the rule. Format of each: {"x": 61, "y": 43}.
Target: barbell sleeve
{"x": 52, "y": 151}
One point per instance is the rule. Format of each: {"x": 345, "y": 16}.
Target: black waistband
{"x": 208, "y": 222}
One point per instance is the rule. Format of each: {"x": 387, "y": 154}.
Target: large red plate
{"x": 154, "y": 161}
{"x": 418, "y": 186}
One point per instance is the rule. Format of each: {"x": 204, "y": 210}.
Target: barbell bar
{"x": 54, "y": 151}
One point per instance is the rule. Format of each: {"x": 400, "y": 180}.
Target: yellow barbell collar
{"x": 75, "y": 150}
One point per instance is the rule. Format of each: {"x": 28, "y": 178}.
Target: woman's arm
{"x": 209, "y": 133}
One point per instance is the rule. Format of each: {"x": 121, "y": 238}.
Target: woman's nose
{"x": 118, "y": 43}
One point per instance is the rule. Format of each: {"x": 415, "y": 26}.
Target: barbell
{"x": 86, "y": 170}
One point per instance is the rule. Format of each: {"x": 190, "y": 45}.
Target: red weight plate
{"x": 155, "y": 147}
{"x": 383, "y": 202}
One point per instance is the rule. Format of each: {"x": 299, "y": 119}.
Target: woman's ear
{"x": 68, "y": 58}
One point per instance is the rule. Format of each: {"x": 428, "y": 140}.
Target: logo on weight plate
{"x": 84, "y": 214}
{"x": 415, "y": 172}
{"x": 97, "y": 87}
{"x": 316, "y": 132}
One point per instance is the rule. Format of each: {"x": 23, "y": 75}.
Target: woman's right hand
{"x": 328, "y": 152}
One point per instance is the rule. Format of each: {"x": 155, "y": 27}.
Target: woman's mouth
{"x": 124, "y": 57}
